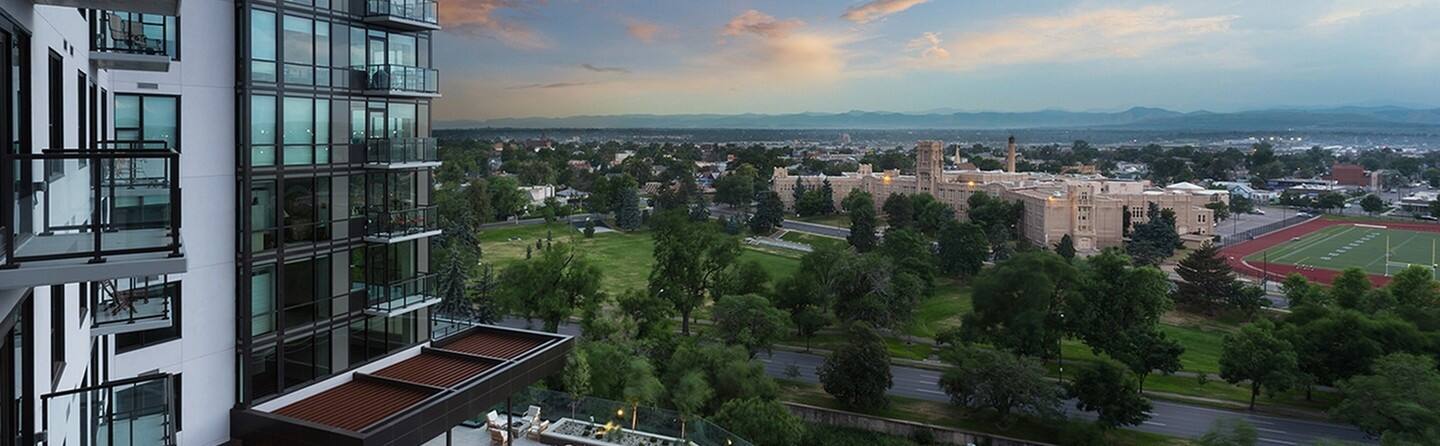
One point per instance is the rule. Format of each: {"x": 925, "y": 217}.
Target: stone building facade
{"x": 1089, "y": 208}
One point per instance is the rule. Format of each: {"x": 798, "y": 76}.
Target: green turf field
{"x": 1346, "y": 246}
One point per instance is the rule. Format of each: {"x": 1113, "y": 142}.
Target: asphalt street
{"x": 1167, "y": 418}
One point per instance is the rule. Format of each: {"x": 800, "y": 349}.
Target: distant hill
{"x": 1382, "y": 118}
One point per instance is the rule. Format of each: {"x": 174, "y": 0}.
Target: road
{"x": 1167, "y": 418}
{"x": 794, "y": 225}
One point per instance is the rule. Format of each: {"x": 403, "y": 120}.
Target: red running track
{"x": 1236, "y": 254}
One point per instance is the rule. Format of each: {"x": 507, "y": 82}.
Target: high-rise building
{"x": 297, "y": 302}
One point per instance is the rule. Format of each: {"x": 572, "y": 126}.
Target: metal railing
{"x": 131, "y": 187}
{"x": 137, "y": 411}
{"x": 655, "y": 422}
{"x": 131, "y": 302}
{"x": 417, "y": 10}
{"x": 391, "y": 224}
{"x": 401, "y": 150}
{"x": 394, "y": 296}
{"x": 1229, "y": 238}
{"x": 401, "y": 78}
{"x": 132, "y": 33}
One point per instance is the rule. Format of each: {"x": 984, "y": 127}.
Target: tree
{"x": 589, "y": 228}
{"x": 899, "y": 211}
{"x": 749, "y": 321}
{"x": 1400, "y": 401}
{"x": 911, "y": 253}
{"x": 1373, "y": 204}
{"x": 827, "y": 198}
{"x": 769, "y": 213}
{"x": 1258, "y": 355}
{"x": 689, "y": 396}
{"x": 1241, "y": 205}
{"x": 858, "y": 373}
{"x": 1349, "y": 288}
{"x": 1117, "y": 312}
{"x": 506, "y": 198}
{"x": 738, "y": 188}
{"x": 871, "y": 288}
{"x": 1330, "y": 200}
{"x": 641, "y": 387}
{"x": 1221, "y": 209}
{"x": 1300, "y": 292}
{"x": 552, "y": 286}
{"x": 1065, "y": 247}
{"x": 1108, "y": 390}
{"x": 1154, "y": 240}
{"x": 1000, "y": 219}
{"x": 806, "y": 295}
{"x": 1229, "y": 432}
{"x": 861, "y": 209}
{"x": 765, "y": 422}
{"x": 627, "y": 209}
{"x": 1017, "y": 301}
{"x": 576, "y": 377}
{"x": 962, "y": 249}
{"x": 691, "y": 259}
{"x": 1206, "y": 280}
{"x": 999, "y": 381}
{"x": 1414, "y": 286}
{"x": 930, "y": 214}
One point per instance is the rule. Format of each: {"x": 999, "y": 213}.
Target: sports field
{"x": 1344, "y": 246}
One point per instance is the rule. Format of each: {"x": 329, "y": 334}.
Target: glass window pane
{"x": 322, "y": 121}
{"x": 299, "y": 121}
{"x": 357, "y": 47}
{"x": 161, "y": 119}
{"x": 322, "y": 43}
{"x": 262, "y": 294}
{"x": 299, "y": 40}
{"x": 403, "y": 50}
{"x": 262, "y": 119}
{"x": 402, "y": 120}
{"x": 127, "y": 111}
{"x": 262, "y": 35}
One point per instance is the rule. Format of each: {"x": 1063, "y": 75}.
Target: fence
{"x": 1249, "y": 234}
{"x": 556, "y": 405}
{"x": 899, "y": 428}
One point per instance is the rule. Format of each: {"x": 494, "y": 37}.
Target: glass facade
{"x": 310, "y": 198}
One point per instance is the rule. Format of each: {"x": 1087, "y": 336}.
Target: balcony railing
{"x": 597, "y": 420}
{"x": 136, "y": 411}
{"x": 132, "y": 41}
{"x": 98, "y": 204}
{"x": 401, "y": 152}
{"x": 412, "y": 15}
{"x": 162, "y": 7}
{"x": 131, "y": 304}
{"x": 395, "y": 226}
{"x": 400, "y": 80}
{"x": 397, "y": 298}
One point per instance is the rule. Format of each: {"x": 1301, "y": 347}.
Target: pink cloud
{"x": 642, "y": 30}
{"x": 478, "y": 18}
{"x": 761, "y": 24}
{"x": 877, "y": 9}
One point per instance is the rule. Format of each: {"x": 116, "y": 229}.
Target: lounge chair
{"x": 493, "y": 421}
{"x": 498, "y": 436}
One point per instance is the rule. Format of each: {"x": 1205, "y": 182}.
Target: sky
{"x": 552, "y": 58}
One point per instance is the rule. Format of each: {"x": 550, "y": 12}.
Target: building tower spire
{"x": 1010, "y": 155}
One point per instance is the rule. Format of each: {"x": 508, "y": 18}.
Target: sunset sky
{"x": 522, "y": 58}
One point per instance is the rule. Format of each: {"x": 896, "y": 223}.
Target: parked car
{"x": 1427, "y": 217}
{"x": 1257, "y": 212}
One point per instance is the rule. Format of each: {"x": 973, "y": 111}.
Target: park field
{"x": 1363, "y": 246}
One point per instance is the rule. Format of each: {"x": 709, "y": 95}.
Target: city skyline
{"x": 621, "y": 57}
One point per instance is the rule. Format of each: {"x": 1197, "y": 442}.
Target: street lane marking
{"x": 1273, "y": 431}
{"x": 1152, "y": 423}
{"x": 1271, "y": 440}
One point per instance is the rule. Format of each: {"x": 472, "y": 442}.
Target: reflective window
{"x": 262, "y": 46}
{"x": 148, "y": 118}
{"x": 262, "y": 130}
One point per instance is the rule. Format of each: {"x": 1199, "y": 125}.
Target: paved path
{"x": 1167, "y": 418}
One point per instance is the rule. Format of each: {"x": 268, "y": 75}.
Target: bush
{"x": 763, "y": 422}
{"x": 819, "y": 435}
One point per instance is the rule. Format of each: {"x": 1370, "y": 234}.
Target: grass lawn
{"x": 838, "y": 220}
{"x": 943, "y": 310}
{"x": 624, "y": 258}
{"x": 942, "y": 414}
{"x": 815, "y": 241}
{"x": 1346, "y": 246}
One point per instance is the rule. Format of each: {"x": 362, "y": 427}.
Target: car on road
{"x": 1257, "y": 212}
{"x": 1427, "y": 217}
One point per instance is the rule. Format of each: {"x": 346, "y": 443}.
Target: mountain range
{"x": 1387, "y": 119}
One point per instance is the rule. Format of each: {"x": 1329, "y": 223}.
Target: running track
{"x": 1236, "y": 254}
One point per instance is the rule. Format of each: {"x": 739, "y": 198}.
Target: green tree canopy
{"x": 858, "y": 373}
{"x": 750, "y": 321}
{"x": 999, "y": 381}
{"x": 691, "y": 260}
{"x": 765, "y": 422}
{"x": 860, "y": 206}
{"x": 1108, "y": 390}
{"x": 1017, "y": 303}
{"x": 1206, "y": 281}
{"x": 1400, "y": 401}
{"x": 899, "y": 211}
{"x": 962, "y": 249}
{"x": 1257, "y": 354}
{"x": 550, "y": 287}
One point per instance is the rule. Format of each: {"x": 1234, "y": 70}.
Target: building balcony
{"x": 400, "y": 81}
{"x": 399, "y": 226}
{"x": 162, "y": 7}
{"x": 136, "y": 411}
{"x": 408, "y": 15}
{"x": 400, "y": 297}
{"x": 130, "y": 305}
{"x": 401, "y": 153}
{"x": 131, "y": 41}
{"x": 100, "y": 214}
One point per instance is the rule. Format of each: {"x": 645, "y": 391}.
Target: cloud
{"x": 877, "y": 9}
{"x": 1348, "y": 11}
{"x": 761, "y": 24}
{"x": 549, "y": 86}
{"x": 1081, "y": 36}
{"x": 642, "y": 30}
{"x": 929, "y": 46}
{"x": 478, "y": 18}
{"x": 599, "y": 69}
